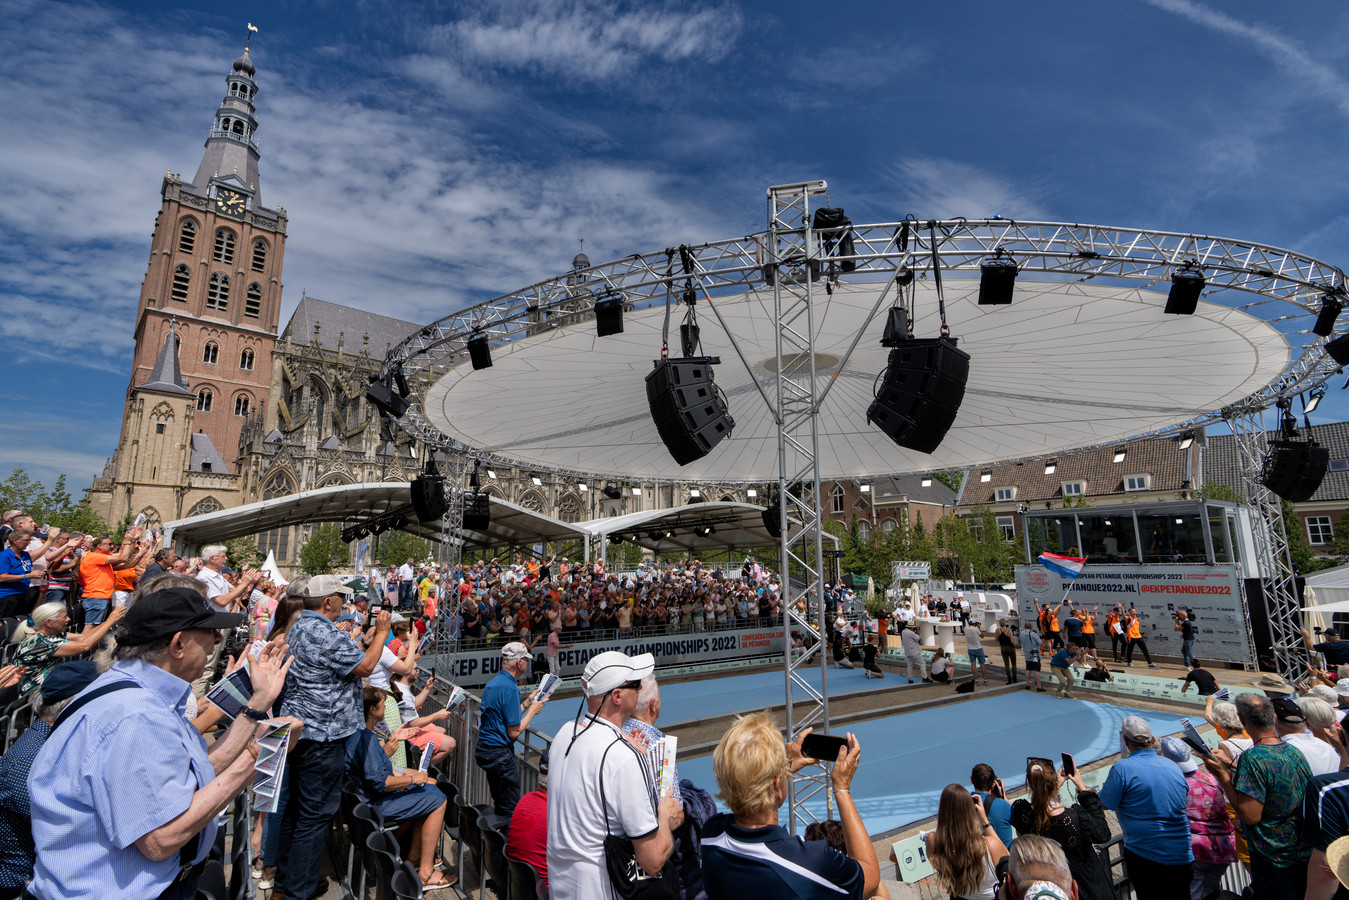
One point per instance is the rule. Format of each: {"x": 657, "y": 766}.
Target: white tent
{"x": 1327, "y": 593}
{"x": 270, "y": 569}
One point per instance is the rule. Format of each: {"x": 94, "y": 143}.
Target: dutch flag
{"x": 1067, "y": 566}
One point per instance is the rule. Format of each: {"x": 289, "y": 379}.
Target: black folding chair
{"x": 211, "y": 885}
{"x": 383, "y": 848}
{"x": 494, "y": 855}
{"x": 526, "y": 882}
{"x": 406, "y": 885}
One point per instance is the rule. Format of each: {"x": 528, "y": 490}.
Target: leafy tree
{"x": 397, "y": 547}
{"x": 242, "y": 552}
{"x": 626, "y": 555}
{"x": 325, "y": 551}
{"x": 950, "y": 477}
{"x": 1216, "y": 490}
{"x": 49, "y": 506}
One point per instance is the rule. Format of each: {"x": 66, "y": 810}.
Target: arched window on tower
{"x": 253, "y": 301}
{"x": 182, "y": 280}
{"x": 204, "y": 506}
{"x": 278, "y": 539}
{"x": 218, "y": 292}
{"x": 224, "y": 245}
{"x": 246, "y": 359}
{"x": 187, "y": 236}
{"x": 569, "y": 510}
{"x": 210, "y": 352}
{"x": 238, "y": 126}
{"x": 204, "y": 398}
{"x": 259, "y": 255}
{"x": 241, "y": 405}
{"x": 837, "y": 496}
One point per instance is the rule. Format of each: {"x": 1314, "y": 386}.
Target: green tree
{"x": 397, "y": 547}
{"x": 242, "y": 552}
{"x": 950, "y": 477}
{"x": 49, "y": 506}
{"x": 325, "y": 552}
{"x": 1216, "y": 490}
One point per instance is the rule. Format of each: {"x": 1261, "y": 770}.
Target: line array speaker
{"x": 477, "y": 512}
{"x": 1294, "y": 469}
{"x": 771, "y": 521}
{"x": 428, "y": 497}
{"x": 389, "y": 403}
{"x": 920, "y": 393}
{"x": 688, "y": 410}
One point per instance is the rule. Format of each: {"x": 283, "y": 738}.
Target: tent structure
{"x": 697, "y": 527}
{"x": 1327, "y": 593}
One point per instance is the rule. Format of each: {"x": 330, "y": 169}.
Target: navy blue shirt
{"x": 1325, "y": 814}
{"x": 769, "y": 862}
{"x": 1336, "y": 652}
{"x": 16, "y": 827}
{"x": 500, "y": 710}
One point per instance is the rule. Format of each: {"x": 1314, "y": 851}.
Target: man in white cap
{"x": 501, "y": 722}
{"x": 599, "y": 785}
{"x": 1149, "y": 795}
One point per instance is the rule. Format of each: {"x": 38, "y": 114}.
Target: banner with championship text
{"x": 471, "y": 668}
{"x": 1157, "y": 591}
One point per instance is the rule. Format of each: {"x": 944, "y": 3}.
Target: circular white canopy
{"x": 1066, "y": 365}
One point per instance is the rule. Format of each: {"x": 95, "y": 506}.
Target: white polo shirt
{"x": 576, "y": 869}
{"x": 216, "y": 586}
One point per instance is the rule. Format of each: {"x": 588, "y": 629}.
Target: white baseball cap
{"x": 611, "y": 669}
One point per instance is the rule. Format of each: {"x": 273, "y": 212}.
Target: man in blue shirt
{"x": 500, "y": 724}
{"x": 323, "y": 690}
{"x": 993, "y": 795}
{"x": 16, "y": 829}
{"x": 124, "y": 793}
{"x": 1149, "y": 794}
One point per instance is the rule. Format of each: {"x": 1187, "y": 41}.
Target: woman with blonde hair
{"x": 964, "y": 848}
{"x": 1076, "y": 829}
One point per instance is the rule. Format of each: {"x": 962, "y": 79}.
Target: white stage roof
{"x": 733, "y": 525}
{"x": 1065, "y": 365}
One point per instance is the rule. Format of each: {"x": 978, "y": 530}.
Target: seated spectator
{"x": 1098, "y": 672}
{"x": 1038, "y": 870}
{"x": 963, "y": 848}
{"x": 404, "y": 799}
{"x": 1076, "y": 829}
{"x": 16, "y": 829}
{"x": 993, "y": 794}
{"x": 49, "y": 644}
{"x": 1212, "y": 837}
{"x": 527, "y": 839}
{"x": 748, "y": 854}
{"x": 941, "y": 666}
{"x": 1201, "y": 678}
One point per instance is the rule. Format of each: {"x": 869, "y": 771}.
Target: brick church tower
{"x": 214, "y": 278}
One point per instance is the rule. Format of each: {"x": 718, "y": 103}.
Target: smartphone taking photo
{"x": 1069, "y": 766}
{"x": 823, "y": 747}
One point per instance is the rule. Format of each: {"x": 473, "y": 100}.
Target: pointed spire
{"x": 232, "y": 143}
{"x": 166, "y": 377}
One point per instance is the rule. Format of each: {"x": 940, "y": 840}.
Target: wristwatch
{"x": 257, "y": 715}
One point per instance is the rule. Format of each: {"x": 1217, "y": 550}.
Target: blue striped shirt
{"x": 120, "y": 767}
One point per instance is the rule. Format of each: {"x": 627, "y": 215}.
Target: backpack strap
{"x": 83, "y": 699}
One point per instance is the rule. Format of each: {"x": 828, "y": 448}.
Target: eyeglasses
{"x": 631, "y": 685}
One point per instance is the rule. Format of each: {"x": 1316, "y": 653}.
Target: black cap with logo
{"x": 167, "y": 612}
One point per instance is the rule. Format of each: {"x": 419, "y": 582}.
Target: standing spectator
{"x": 550, "y": 652}
{"x": 1291, "y": 725}
{"x": 1202, "y": 679}
{"x": 641, "y": 725}
{"x": 527, "y": 838}
{"x": 1332, "y": 648}
{"x": 1060, "y": 666}
{"x": 1186, "y": 628}
{"x": 16, "y": 828}
{"x": 130, "y": 793}
{"x": 1266, "y": 793}
{"x": 1325, "y": 819}
{"x": 163, "y": 562}
{"x": 1212, "y": 837}
{"x": 8, "y": 522}
{"x": 500, "y": 724}
{"x": 48, "y": 644}
{"x": 405, "y": 585}
{"x": 993, "y": 794}
{"x": 975, "y": 648}
{"x": 747, "y": 851}
{"x": 1031, "y": 647}
{"x": 97, "y": 574}
{"x": 600, "y": 785}
{"x": 1133, "y": 632}
{"x": 1037, "y": 870}
{"x": 1076, "y": 829}
{"x": 913, "y": 652}
{"x": 16, "y": 567}
{"x": 61, "y": 570}
{"x": 323, "y": 690}
{"x": 964, "y": 848}
{"x": 223, "y": 597}
{"x": 1149, "y": 796}
{"x": 1007, "y": 646}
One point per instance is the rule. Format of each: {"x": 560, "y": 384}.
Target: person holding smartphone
{"x": 964, "y": 848}
{"x": 1075, "y": 828}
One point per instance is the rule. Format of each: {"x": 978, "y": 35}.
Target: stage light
{"x": 479, "y": 353}
{"x": 1314, "y": 401}
{"x": 1186, "y": 286}
{"x": 695, "y": 493}
{"x": 1120, "y": 453}
{"x": 385, "y": 400}
{"x": 1338, "y": 349}
{"x": 582, "y": 486}
{"x": 654, "y": 536}
{"x": 705, "y": 530}
{"x": 609, "y": 315}
{"x": 612, "y": 492}
{"x": 1051, "y": 467}
{"x": 985, "y": 477}
{"x": 636, "y": 492}
{"x": 538, "y": 482}
{"x": 1325, "y": 321}
{"x": 1186, "y": 440}
{"x": 926, "y": 482}
{"x": 751, "y": 493}
{"x": 997, "y": 278}
{"x": 615, "y": 538}
{"x": 492, "y": 474}
{"x": 866, "y": 489}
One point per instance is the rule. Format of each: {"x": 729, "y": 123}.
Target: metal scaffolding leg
{"x": 793, "y": 256}
{"x": 1282, "y": 606}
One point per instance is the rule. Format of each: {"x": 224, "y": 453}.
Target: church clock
{"x": 230, "y": 203}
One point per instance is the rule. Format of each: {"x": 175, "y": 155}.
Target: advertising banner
{"x": 1157, "y": 591}
{"x": 476, "y": 667}
{"x": 912, "y": 571}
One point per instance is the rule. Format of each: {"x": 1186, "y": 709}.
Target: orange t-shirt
{"x": 1053, "y": 621}
{"x": 1088, "y": 623}
{"x": 124, "y": 579}
{"x": 96, "y": 575}
{"x": 1131, "y": 629}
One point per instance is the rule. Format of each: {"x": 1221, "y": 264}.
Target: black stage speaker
{"x": 687, "y": 408}
{"x": 609, "y": 316}
{"x": 1338, "y": 349}
{"x": 477, "y": 512}
{"x": 771, "y": 521}
{"x": 479, "y": 352}
{"x": 388, "y": 403}
{"x": 1294, "y": 469}
{"x": 428, "y": 497}
{"x": 920, "y": 392}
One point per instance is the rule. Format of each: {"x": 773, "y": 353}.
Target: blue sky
{"x": 432, "y": 155}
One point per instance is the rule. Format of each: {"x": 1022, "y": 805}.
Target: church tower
{"x": 214, "y": 279}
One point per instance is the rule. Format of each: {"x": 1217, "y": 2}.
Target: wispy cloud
{"x": 1282, "y": 51}
{"x": 942, "y": 188}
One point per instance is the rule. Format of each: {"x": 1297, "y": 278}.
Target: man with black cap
{"x": 16, "y": 830}
{"x": 323, "y": 690}
{"x": 125, "y": 792}
{"x": 500, "y": 723}
{"x": 600, "y": 785}
{"x": 1332, "y": 648}
{"x": 1291, "y": 725}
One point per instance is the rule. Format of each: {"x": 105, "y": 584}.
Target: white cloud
{"x": 944, "y": 188}
{"x": 1287, "y": 54}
